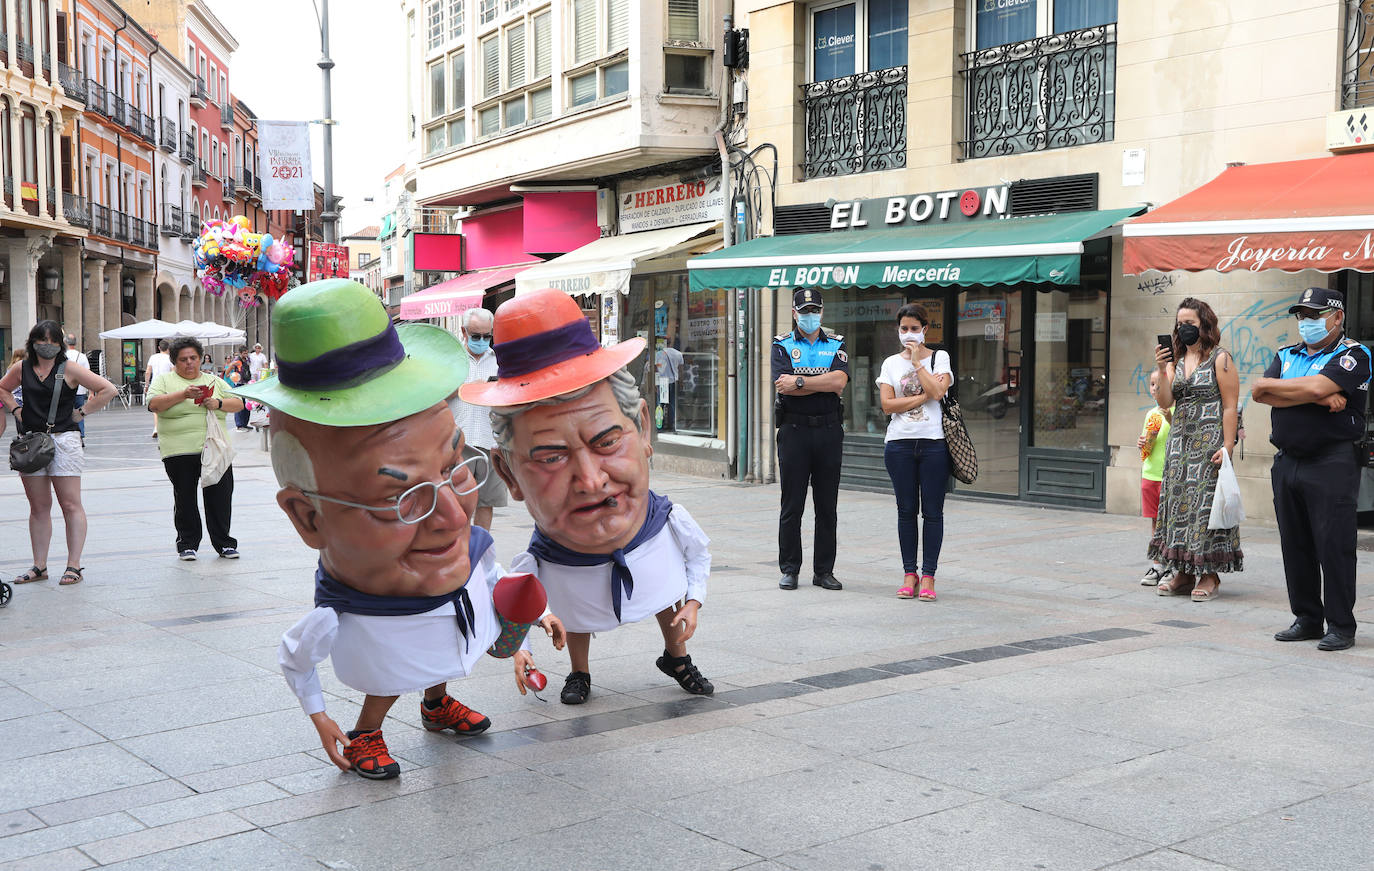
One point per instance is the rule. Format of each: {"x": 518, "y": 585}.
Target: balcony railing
{"x": 73, "y": 85}
{"x": 167, "y": 135}
{"x": 226, "y": 116}
{"x": 199, "y": 177}
{"x": 76, "y": 210}
{"x": 102, "y": 100}
{"x": 855, "y": 123}
{"x": 188, "y": 148}
{"x": 142, "y": 233}
{"x": 4, "y": 45}
{"x": 191, "y": 230}
{"x": 119, "y": 226}
{"x": 198, "y": 93}
{"x": 243, "y": 180}
{"x": 100, "y": 220}
{"x": 228, "y": 190}
{"x": 173, "y": 220}
{"x": 1051, "y": 92}
{"x": 257, "y": 186}
{"x": 141, "y": 123}
{"x": 1357, "y": 79}
{"x": 25, "y": 52}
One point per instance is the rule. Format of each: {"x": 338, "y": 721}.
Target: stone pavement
{"x": 1046, "y": 713}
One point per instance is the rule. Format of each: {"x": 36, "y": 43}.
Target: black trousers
{"x": 808, "y": 455}
{"x": 184, "y": 473}
{"x": 1314, "y": 502}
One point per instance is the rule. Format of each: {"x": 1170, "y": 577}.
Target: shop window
{"x": 684, "y": 380}
{"x": 1042, "y": 75}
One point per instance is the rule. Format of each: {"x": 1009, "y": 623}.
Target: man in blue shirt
{"x": 1319, "y": 390}
{"x": 810, "y": 371}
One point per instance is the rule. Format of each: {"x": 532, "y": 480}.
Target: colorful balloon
{"x": 229, "y": 254}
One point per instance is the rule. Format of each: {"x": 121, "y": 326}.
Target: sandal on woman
{"x": 33, "y": 574}
{"x": 1201, "y": 595}
{"x": 1179, "y": 585}
{"x": 680, "y": 669}
{"x": 908, "y": 591}
{"x": 927, "y": 594}
{"x": 71, "y": 576}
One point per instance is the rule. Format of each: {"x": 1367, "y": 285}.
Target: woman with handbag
{"x": 911, "y": 385}
{"x": 190, "y": 405}
{"x": 47, "y": 453}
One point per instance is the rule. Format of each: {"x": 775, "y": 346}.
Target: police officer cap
{"x": 806, "y": 296}
{"x": 1318, "y": 298}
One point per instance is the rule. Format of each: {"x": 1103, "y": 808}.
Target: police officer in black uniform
{"x": 810, "y": 370}
{"x": 1319, "y": 390}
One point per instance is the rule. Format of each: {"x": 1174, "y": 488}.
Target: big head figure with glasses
{"x": 372, "y": 476}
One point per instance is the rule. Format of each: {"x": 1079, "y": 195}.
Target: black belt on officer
{"x": 1333, "y": 449}
{"x": 831, "y": 419}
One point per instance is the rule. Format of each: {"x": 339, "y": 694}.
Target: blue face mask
{"x": 479, "y": 346}
{"x": 808, "y": 322}
{"x": 1312, "y": 330}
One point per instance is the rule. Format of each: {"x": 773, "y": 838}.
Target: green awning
{"x": 1045, "y": 250}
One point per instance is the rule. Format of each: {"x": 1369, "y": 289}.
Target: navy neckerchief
{"x": 330, "y": 593}
{"x": 546, "y": 549}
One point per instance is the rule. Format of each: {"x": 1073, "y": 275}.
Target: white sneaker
{"x": 1154, "y": 576}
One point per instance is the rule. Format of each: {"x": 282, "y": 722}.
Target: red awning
{"x": 456, "y": 295}
{"x": 1291, "y": 216}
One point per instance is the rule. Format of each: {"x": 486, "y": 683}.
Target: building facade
{"x": 925, "y": 117}
{"x": 177, "y": 289}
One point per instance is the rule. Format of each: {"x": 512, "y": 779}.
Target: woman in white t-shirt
{"x": 911, "y": 385}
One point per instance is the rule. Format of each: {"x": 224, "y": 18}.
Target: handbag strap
{"x": 57, "y": 383}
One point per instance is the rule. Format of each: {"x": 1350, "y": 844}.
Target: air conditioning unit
{"x": 1350, "y": 130}
{"x": 605, "y": 210}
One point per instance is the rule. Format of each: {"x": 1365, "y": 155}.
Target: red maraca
{"x": 535, "y": 678}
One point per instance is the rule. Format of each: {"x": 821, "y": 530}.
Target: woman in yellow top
{"x": 181, "y": 399}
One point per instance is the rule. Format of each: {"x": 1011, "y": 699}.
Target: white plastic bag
{"x": 217, "y": 454}
{"x": 1227, "y": 512}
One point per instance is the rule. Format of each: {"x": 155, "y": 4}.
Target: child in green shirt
{"x": 1154, "y": 437}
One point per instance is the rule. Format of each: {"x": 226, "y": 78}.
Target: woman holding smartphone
{"x": 182, "y": 399}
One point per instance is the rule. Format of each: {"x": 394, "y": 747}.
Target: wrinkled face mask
{"x": 808, "y": 322}
{"x": 906, "y": 335}
{"x": 479, "y": 346}
{"x": 1312, "y": 330}
{"x": 1188, "y": 334}
{"x": 47, "y": 350}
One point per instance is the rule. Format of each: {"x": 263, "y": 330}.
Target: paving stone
{"x": 246, "y": 739}
{"x": 848, "y": 677}
{"x": 42, "y": 733}
{"x": 917, "y": 666}
{"x": 1169, "y": 718}
{"x": 1166, "y": 860}
{"x": 70, "y": 859}
{"x": 205, "y": 804}
{"x": 17, "y": 703}
{"x": 1130, "y": 797}
{"x": 108, "y": 802}
{"x": 975, "y": 837}
{"x": 55, "y": 838}
{"x": 768, "y": 815}
{"x": 1312, "y": 749}
{"x": 1111, "y": 634}
{"x": 254, "y": 849}
{"x": 1053, "y": 642}
{"x": 763, "y": 693}
{"x": 15, "y": 822}
{"x": 984, "y": 654}
{"x": 110, "y": 850}
{"x": 85, "y": 688}
{"x": 191, "y": 706}
{"x": 249, "y": 772}
{"x": 1293, "y": 688}
{"x": 66, "y": 774}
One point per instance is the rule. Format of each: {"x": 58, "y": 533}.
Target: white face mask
{"x": 904, "y": 337}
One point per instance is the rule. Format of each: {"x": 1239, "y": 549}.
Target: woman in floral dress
{"x": 1199, "y": 378}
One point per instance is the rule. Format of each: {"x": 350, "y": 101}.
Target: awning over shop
{"x": 1045, "y": 250}
{"x": 1294, "y": 215}
{"x": 455, "y": 295}
{"x": 604, "y": 266}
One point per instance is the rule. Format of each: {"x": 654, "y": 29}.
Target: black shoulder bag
{"x": 32, "y": 451}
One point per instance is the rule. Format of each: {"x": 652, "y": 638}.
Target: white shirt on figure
{"x": 923, "y": 421}
{"x": 256, "y": 361}
{"x": 78, "y": 357}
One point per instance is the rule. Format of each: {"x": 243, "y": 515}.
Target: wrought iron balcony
{"x": 199, "y": 177}
{"x": 243, "y": 180}
{"x": 25, "y": 52}
{"x": 52, "y": 201}
{"x": 119, "y": 229}
{"x": 99, "y": 98}
{"x": 188, "y": 148}
{"x": 73, "y": 85}
{"x": 257, "y": 187}
{"x": 1357, "y": 79}
{"x": 4, "y": 45}
{"x": 100, "y": 220}
{"x": 141, "y": 123}
{"x": 190, "y": 231}
{"x": 855, "y": 123}
{"x": 1052, "y": 92}
{"x": 199, "y": 96}
{"x": 75, "y": 210}
{"x": 167, "y": 135}
{"x": 228, "y": 190}
{"x": 226, "y": 116}
{"x": 173, "y": 220}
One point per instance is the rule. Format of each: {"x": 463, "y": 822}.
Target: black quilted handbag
{"x": 963, "y": 459}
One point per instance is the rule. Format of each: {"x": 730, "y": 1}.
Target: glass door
{"x": 987, "y": 369}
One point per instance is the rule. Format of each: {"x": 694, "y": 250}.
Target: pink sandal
{"x": 927, "y": 595}
{"x": 908, "y": 591}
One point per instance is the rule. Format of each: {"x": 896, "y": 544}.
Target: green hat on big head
{"x": 341, "y": 362}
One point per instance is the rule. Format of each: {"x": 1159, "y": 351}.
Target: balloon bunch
{"x": 230, "y": 255}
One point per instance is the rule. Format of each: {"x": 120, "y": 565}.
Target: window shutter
{"x": 684, "y": 20}
{"x": 617, "y": 25}
{"x": 515, "y": 56}
{"x": 491, "y": 66}
{"x": 584, "y": 30}
{"x": 543, "y": 45}
{"x": 583, "y": 89}
{"x": 541, "y": 103}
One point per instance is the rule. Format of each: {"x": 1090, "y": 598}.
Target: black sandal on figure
{"x": 688, "y": 676}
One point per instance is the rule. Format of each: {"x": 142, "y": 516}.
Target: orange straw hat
{"x": 544, "y": 348}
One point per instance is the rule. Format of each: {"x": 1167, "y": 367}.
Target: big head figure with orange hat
{"x": 573, "y": 445}
{"x": 372, "y": 476}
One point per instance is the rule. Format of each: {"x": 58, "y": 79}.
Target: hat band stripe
{"x": 346, "y": 366}
{"x": 541, "y": 350}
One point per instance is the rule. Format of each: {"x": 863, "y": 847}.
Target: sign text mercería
{"x": 960, "y": 205}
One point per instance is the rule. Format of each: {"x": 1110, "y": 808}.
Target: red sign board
{"x": 328, "y": 261}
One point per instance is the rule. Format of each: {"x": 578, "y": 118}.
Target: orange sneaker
{"x": 367, "y": 751}
{"x": 453, "y": 714}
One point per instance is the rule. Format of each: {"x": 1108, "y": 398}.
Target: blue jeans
{"x": 919, "y": 469}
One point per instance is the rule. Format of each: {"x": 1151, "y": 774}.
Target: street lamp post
{"x": 328, "y": 217}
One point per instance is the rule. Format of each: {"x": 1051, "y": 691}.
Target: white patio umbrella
{"x": 150, "y": 329}
{"x": 156, "y": 329}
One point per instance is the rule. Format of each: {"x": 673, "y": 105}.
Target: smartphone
{"x": 1166, "y": 341}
